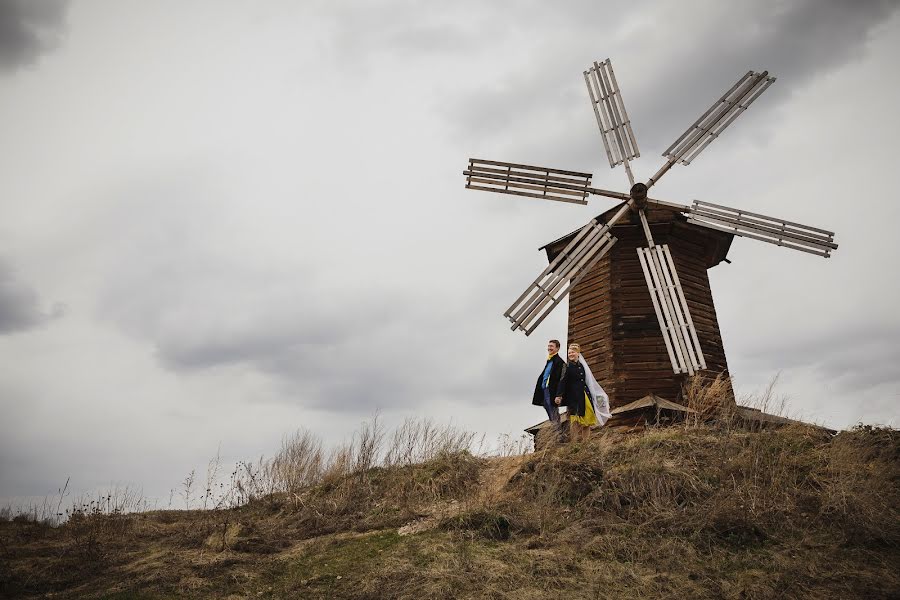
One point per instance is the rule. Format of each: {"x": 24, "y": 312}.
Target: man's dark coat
{"x": 556, "y": 373}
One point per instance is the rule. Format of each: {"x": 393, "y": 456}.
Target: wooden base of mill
{"x": 611, "y": 314}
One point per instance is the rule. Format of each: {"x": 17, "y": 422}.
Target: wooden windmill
{"x": 621, "y": 334}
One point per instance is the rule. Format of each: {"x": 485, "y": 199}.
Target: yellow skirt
{"x": 589, "y": 417}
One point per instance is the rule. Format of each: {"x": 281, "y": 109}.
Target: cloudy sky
{"x": 221, "y": 221}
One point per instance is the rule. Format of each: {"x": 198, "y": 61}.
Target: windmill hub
{"x": 639, "y": 195}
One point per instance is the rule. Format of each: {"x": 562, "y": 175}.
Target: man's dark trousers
{"x": 550, "y": 406}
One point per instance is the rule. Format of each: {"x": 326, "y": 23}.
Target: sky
{"x": 223, "y": 221}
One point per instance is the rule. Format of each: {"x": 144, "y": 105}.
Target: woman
{"x": 586, "y": 401}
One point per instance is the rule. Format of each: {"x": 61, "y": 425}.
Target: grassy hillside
{"x": 694, "y": 512}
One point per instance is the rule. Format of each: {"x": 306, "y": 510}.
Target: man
{"x": 548, "y": 381}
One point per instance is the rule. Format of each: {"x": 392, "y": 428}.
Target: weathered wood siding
{"x": 611, "y": 315}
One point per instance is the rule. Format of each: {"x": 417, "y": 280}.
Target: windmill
{"x": 586, "y": 247}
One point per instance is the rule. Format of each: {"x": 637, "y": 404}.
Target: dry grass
{"x": 702, "y": 510}
{"x": 421, "y": 440}
{"x": 708, "y": 398}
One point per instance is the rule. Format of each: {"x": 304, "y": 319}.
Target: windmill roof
{"x": 652, "y": 400}
{"x": 719, "y": 241}
{"x": 755, "y": 414}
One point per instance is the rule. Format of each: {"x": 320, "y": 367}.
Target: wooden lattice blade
{"x": 612, "y": 118}
{"x": 763, "y": 228}
{"x": 588, "y": 246}
{"x": 720, "y": 115}
{"x": 671, "y": 308}
{"x": 528, "y": 180}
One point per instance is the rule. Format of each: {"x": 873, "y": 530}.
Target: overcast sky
{"x": 221, "y": 221}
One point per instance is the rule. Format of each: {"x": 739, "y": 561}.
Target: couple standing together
{"x": 571, "y": 384}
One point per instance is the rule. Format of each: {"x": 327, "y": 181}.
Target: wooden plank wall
{"x": 590, "y": 322}
{"x": 612, "y": 317}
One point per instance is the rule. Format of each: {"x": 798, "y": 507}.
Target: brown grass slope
{"x": 692, "y": 512}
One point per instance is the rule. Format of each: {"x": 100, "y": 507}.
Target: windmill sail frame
{"x": 593, "y": 241}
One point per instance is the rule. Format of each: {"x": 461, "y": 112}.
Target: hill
{"x": 692, "y": 512}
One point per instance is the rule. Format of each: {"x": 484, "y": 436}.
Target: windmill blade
{"x": 670, "y": 306}
{"x": 585, "y": 250}
{"x": 765, "y": 229}
{"x": 549, "y": 289}
{"x": 612, "y": 118}
{"x": 720, "y": 115}
{"x": 528, "y": 180}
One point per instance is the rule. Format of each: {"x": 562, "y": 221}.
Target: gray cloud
{"x": 324, "y": 348}
{"x": 796, "y": 41}
{"x": 347, "y": 347}
{"x": 325, "y": 340}
{"x": 28, "y": 29}
{"x": 199, "y": 312}
{"x": 853, "y": 359}
{"x": 397, "y": 28}
{"x": 270, "y": 227}
{"x": 20, "y": 307}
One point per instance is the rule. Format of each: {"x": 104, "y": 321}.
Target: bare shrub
{"x": 212, "y": 475}
{"x": 377, "y": 480}
{"x": 709, "y": 398}
{"x": 248, "y": 483}
{"x": 768, "y": 401}
{"x": 366, "y": 445}
{"x": 508, "y": 445}
{"x": 94, "y": 520}
{"x": 418, "y": 440}
{"x": 47, "y": 511}
{"x": 187, "y": 486}
{"x": 298, "y": 464}
{"x": 339, "y": 463}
